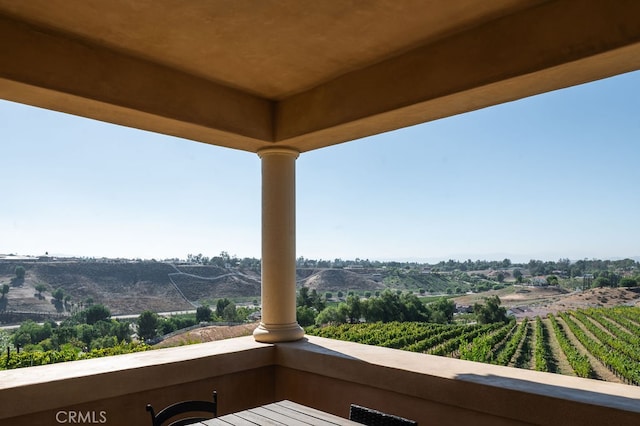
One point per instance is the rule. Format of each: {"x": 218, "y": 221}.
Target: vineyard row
{"x": 585, "y": 340}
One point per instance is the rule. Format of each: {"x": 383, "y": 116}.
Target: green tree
{"x": 317, "y": 302}
{"x": 230, "y": 313}
{"x": 330, "y": 315}
{"x": 30, "y": 332}
{"x": 121, "y": 331}
{"x": 602, "y": 281}
{"x": 611, "y": 279}
{"x": 58, "y": 294}
{"x": 412, "y": 308}
{"x": 63, "y": 334}
{"x": 96, "y": 313}
{"x": 310, "y": 300}
{"x": 203, "y": 313}
{"x": 303, "y": 298}
{"x": 4, "y": 290}
{"x": 442, "y": 310}
{"x": 221, "y": 305}
{"x": 305, "y": 316}
{"x": 147, "y": 325}
{"x": 20, "y": 272}
{"x": 386, "y": 308}
{"x": 21, "y": 337}
{"x": 552, "y": 280}
{"x": 517, "y": 274}
{"x": 104, "y": 342}
{"x": 354, "y": 309}
{"x": 242, "y": 313}
{"x": 40, "y": 288}
{"x": 86, "y": 333}
{"x": 628, "y": 282}
{"x": 490, "y": 311}
{"x": 166, "y": 326}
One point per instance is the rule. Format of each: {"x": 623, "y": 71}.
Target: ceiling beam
{"x": 52, "y": 71}
{"x": 547, "y": 47}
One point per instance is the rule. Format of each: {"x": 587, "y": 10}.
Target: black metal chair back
{"x": 184, "y": 408}
{"x": 370, "y": 417}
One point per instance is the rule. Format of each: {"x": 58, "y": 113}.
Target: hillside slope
{"x": 126, "y": 288}
{"x": 132, "y": 287}
{"x": 323, "y": 280}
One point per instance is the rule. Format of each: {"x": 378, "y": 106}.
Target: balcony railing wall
{"x": 117, "y": 389}
{"x": 322, "y": 373}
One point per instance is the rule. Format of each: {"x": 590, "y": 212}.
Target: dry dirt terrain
{"x": 323, "y": 280}
{"x": 208, "y": 334}
{"x": 125, "y": 288}
{"x": 526, "y": 301}
{"x": 133, "y": 287}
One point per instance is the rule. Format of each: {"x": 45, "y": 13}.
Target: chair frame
{"x": 371, "y": 417}
{"x": 184, "y": 407}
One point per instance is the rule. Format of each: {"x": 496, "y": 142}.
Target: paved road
{"x": 162, "y": 314}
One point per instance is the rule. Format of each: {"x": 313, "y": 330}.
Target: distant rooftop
{"x": 18, "y": 258}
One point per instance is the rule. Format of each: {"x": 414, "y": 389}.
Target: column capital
{"x": 278, "y": 150}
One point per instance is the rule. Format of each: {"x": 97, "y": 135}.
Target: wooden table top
{"x": 285, "y": 413}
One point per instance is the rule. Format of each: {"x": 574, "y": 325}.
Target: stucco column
{"x": 278, "y": 247}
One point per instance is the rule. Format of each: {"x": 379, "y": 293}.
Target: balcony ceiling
{"x": 302, "y": 74}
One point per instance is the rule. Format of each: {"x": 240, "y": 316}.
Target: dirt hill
{"x": 527, "y": 301}
{"x": 132, "y": 287}
{"x": 126, "y": 288}
{"x": 324, "y": 280}
{"x": 208, "y": 334}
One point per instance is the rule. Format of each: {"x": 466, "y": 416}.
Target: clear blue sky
{"x": 555, "y": 175}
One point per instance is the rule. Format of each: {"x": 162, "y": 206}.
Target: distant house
{"x": 539, "y": 281}
{"x": 516, "y": 311}
{"x": 464, "y": 309}
{"x": 15, "y": 258}
{"x": 559, "y": 273}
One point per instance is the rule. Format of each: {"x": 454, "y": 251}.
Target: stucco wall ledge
{"x": 516, "y": 396}
{"x": 48, "y": 387}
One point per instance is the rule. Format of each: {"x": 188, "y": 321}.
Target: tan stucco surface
{"x": 322, "y": 373}
{"x": 301, "y": 74}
